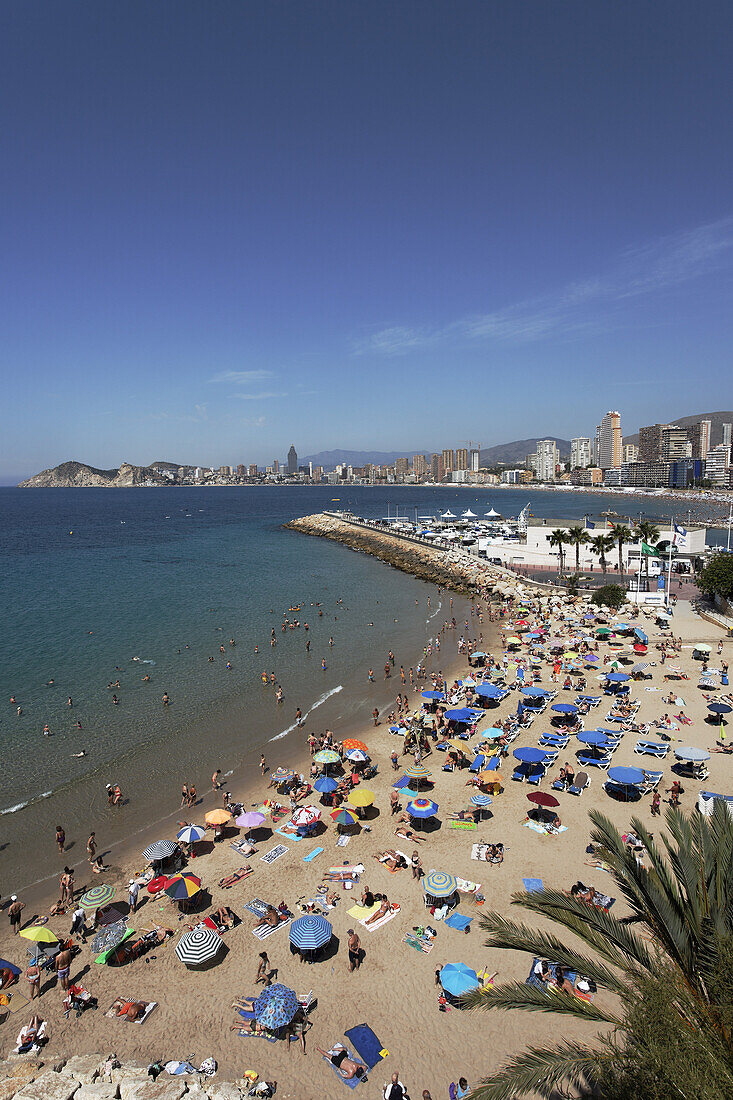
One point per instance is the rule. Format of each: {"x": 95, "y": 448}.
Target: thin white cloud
{"x": 240, "y": 376}
{"x": 256, "y": 396}
{"x": 587, "y": 305}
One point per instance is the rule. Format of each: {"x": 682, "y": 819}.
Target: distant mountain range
{"x": 513, "y": 452}
{"x": 717, "y": 419}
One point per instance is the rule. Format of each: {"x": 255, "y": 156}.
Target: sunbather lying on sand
{"x": 408, "y": 834}
{"x": 345, "y": 1067}
{"x": 384, "y": 908}
{"x": 391, "y": 859}
{"x": 271, "y": 917}
{"x": 235, "y": 877}
{"x": 224, "y": 917}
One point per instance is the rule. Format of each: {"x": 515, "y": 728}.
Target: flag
{"x": 589, "y": 526}
{"x": 649, "y": 551}
{"x": 680, "y": 536}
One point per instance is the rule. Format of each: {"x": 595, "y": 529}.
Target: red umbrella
{"x": 542, "y": 799}
{"x": 639, "y": 648}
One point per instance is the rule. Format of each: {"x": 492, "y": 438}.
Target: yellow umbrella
{"x": 458, "y": 745}
{"x": 514, "y": 641}
{"x": 570, "y": 656}
{"x": 363, "y": 797}
{"x": 39, "y": 934}
{"x": 217, "y": 817}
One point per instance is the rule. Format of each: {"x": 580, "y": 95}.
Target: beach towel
{"x": 350, "y": 1082}
{"x": 243, "y": 847}
{"x": 466, "y": 887}
{"x": 245, "y": 1033}
{"x": 234, "y": 878}
{"x": 458, "y": 921}
{"x": 312, "y": 855}
{"x": 367, "y": 1045}
{"x": 266, "y": 930}
{"x": 258, "y": 907}
{"x": 533, "y": 885}
{"x": 274, "y": 853}
{"x": 479, "y": 852}
{"x": 288, "y": 835}
{"x": 545, "y": 830}
{"x": 468, "y": 825}
{"x": 360, "y": 912}
{"x": 382, "y": 920}
{"x": 343, "y": 840}
{"x": 423, "y": 944}
{"x": 120, "y": 1001}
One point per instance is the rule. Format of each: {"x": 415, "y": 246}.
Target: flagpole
{"x": 673, "y": 535}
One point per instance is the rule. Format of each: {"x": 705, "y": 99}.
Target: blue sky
{"x": 230, "y": 226}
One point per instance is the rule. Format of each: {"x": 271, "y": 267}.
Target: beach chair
{"x": 582, "y": 780}
{"x": 651, "y": 781}
{"x": 602, "y": 762}
{"x": 554, "y": 741}
{"x": 651, "y": 748}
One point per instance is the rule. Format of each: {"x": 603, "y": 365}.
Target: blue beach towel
{"x": 312, "y": 855}
{"x": 350, "y": 1082}
{"x": 458, "y": 921}
{"x": 533, "y": 885}
{"x": 366, "y": 1044}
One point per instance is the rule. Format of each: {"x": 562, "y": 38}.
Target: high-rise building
{"x": 449, "y": 462}
{"x": 292, "y": 460}
{"x": 650, "y": 442}
{"x": 580, "y": 452}
{"x": 717, "y": 465}
{"x": 462, "y": 458}
{"x": 436, "y": 468}
{"x": 630, "y": 453}
{"x": 475, "y": 460}
{"x": 547, "y": 459}
{"x": 241, "y": 470}
{"x": 609, "y": 441}
{"x": 276, "y": 466}
{"x": 252, "y": 471}
{"x": 675, "y": 444}
{"x": 727, "y": 435}
{"x": 699, "y": 437}
{"x": 400, "y": 468}
{"x": 419, "y": 466}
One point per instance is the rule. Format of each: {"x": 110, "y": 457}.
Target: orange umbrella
{"x": 352, "y": 743}
{"x": 218, "y": 817}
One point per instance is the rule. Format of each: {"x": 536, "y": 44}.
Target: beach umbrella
{"x": 603, "y": 630}
{"x": 281, "y": 774}
{"x": 538, "y": 692}
{"x": 593, "y": 737}
{"x": 38, "y": 933}
{"x": 461, "y": 714}
{"x": 190, "y": 834}
{"x": 200, "y": 945}
{"x": 489, "y": 776}
{"x": 218, "y": 817}
{"x": 275, "y": 1006}
{"x": 97, "y": 896}
{"x": 327, "y": 756}
{"x": 690, "y": 755}
{"x": 640, "y": 667}
{"x": 702, "y": 647}
{"x": 469, "y": 682}
{"x": 489, "y": 691}
{"x": 627, "y": 777}
{"x": 565, "y": 708}
{"x": 480, "y": 800}
{"x": 353, "y": 743}
{"x": 325, "y": 785}
{"x": 161, "y": 849}
{"x": 439, "y": 885}
{"x": 514, "y": 641}
{"x": 433, "y": 694}
{"x": 422, "y": 807}
{"x": 591, "y": 659}
{"x": 363, "y": 797}
{"x": 541, "y": 799}
{"x": 618, "y": 677}
{"x": 459, "y": 746}
{"x": 457, "y": 978}
{"x": 493, "y": 733}
{"x": 639, "y": 648}
{"x": 310, "y": 932}
{"x": 110, "y": 936}
{"x": 720, "y": 708}
{"x": 306, "y": 815}
{"x": 356, "y": 756}
{"x": 417, "y": 771}
{"x": 249, "y": 820}
{"x": 530, "y": 755}
{"x": 183, "y": 886}
{"x": 343, "y": 816}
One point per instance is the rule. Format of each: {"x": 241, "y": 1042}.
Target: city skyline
{"x": 296, "y": 219}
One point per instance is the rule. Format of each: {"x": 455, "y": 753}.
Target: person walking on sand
{"x": 61, "y": 839}
{"x": 91, "y": 847}
{"x": 133, "y": 890}
{"x": 215, "y": 780}
{"x": 14, "y": 910}
{"x": 62, "y": 966}
{"x": 263, "y": 970}
{"x": 354, "y": 945}
{"x": 375, "y": 716}
{"x": 395, "y": 1090}
{"x": 263, "y": 763}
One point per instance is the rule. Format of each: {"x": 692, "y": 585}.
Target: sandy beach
{"x": 394, "y": 991}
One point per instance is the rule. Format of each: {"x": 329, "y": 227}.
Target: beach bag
{"x": 208, "y": 1067}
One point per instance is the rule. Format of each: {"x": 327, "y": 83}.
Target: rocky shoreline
{"x": 453, "y": 569}
{"x": 86, "y": 1077}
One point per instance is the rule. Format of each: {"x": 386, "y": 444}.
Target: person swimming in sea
{"x": 77, "y": 755}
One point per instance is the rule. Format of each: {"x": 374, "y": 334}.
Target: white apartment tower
{"x": 547, "y": 459}
{"x": 609, "y": 441}
{"x": 580, "y": 453}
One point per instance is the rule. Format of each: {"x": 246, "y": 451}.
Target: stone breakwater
{"x": 452, "y": 569}
{"x": 83, "y": 1077}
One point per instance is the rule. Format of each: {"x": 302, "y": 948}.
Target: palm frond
{"x": 521, "y": 995}
{"x": 541, "y": 1070}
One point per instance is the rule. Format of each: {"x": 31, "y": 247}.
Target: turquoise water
{"x": 92, "y": 579}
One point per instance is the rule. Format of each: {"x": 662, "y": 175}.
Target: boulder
{"x": 19, "y": 1068}
{"x": 99, "y": 1090}
{"x": 224, "y": 1090}
{"x": 165, "y": 1088}
{"x": 49, "y": 1086}
{"x": 85, "y": 1067}
{"x": 130, "y": 1072}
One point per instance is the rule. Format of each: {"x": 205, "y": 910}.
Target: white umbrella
{"x": 447, "y": 515}
{"x": 468, "y": 514}
{"x": 198, "y": 946}
{"x": 492, "y": 513}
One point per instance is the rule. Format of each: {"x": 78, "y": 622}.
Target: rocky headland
{"x": 77, "y": 475}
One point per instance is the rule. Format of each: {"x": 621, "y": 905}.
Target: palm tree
{"x": 620, "y": 534}
{"x": 670, "y": 959}
{"x": 600, "y": 545}
{"x": 648, "y": 533}
{"x": 559, "y": 538}
{"x": 576, "y": 537}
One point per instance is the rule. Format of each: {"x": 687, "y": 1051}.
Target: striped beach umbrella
{"x": 281, "y": 774}
{"x": 198, "y": 946}
{"x": 161, "y": 849}
{"x": 306, "y": 815}
{"x": 439, "y": 885}
{"x": 353, "y": 743}
{"x": 327, "y": 756}
{"x": 422, "y": 807}
{"x": 97, "y": 896}
{"x": 275, "y": 1006}
{"x": 342, "y": 816}
{"x": 417, "y": 771}
{"x": 356, "y": 756}
{"x": 182, "y": 886}
{"x": 310, "y": 932}
{"x": 480, "y": 799}
{"x": 190, "y": 834}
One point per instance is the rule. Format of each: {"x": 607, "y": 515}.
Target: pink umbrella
{"x": 306, "y": 815}
{"x": 249, "y": 820}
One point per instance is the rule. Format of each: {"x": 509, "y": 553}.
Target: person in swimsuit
{"x": 345, "y": 1067}
{"x": 354, "y": 950}
{"x": 62, "y": 966}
